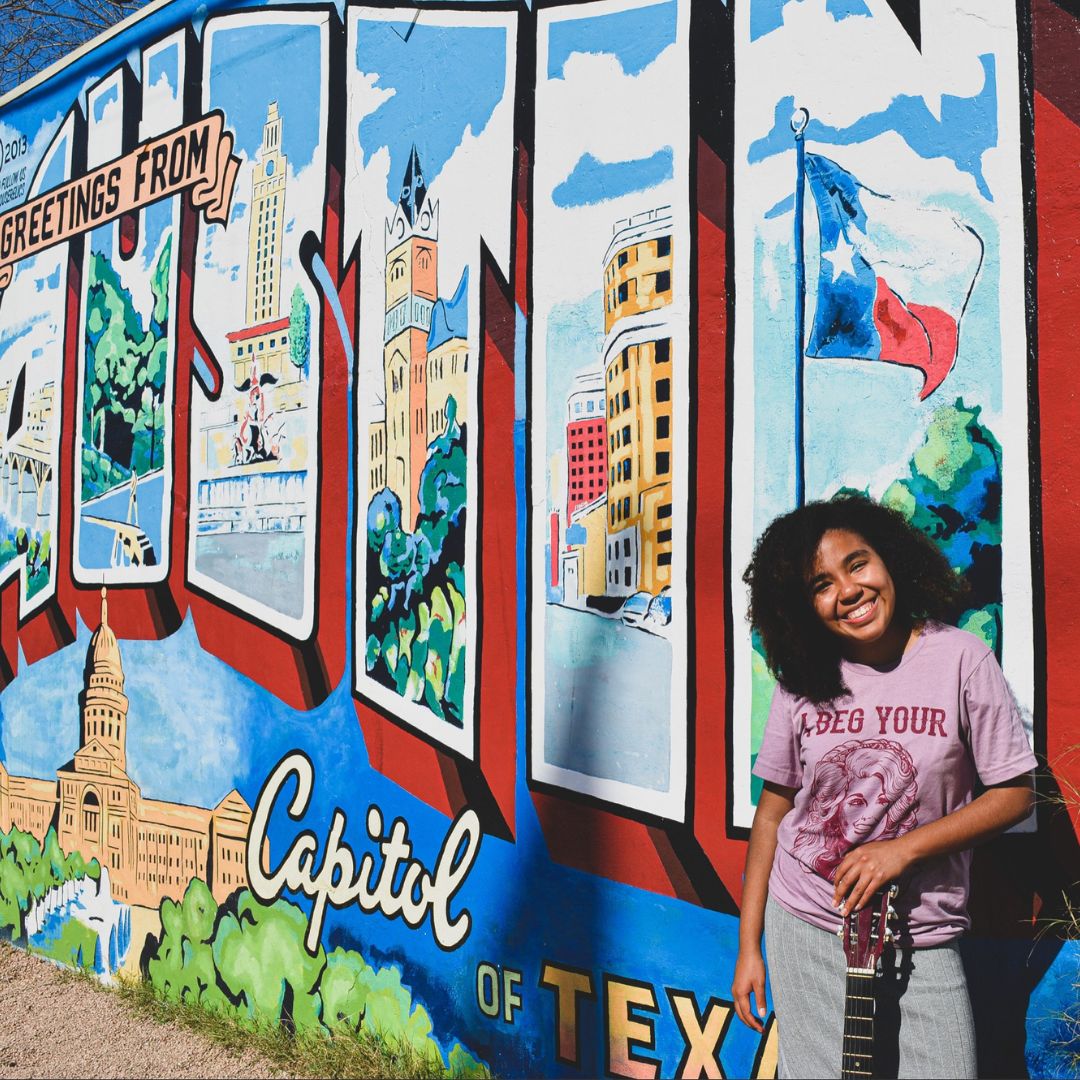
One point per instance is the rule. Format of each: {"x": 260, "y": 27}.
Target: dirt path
{"x": 51, "y": 1025}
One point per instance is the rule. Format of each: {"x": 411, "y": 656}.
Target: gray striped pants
{"x": 923, "y": 1025}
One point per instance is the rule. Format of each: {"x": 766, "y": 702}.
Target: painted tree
{"x": 123, "y": 420}
{"x": 300, "y": 330}
{"x": 247, "y": 960}
{"x": 416, "y": 583}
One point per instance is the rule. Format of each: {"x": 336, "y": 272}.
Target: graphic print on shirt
{"x": 863, "y": 790}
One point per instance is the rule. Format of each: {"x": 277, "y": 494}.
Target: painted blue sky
{"x": 966, "y": 130}
{"x": 104, "y": 100}
{"x": 164, "y": 63}
{"x": 445, "y": 80}
{"x": 246, "y": 74}
{"x": 593, "y": 181}
{"x": 768, "y": 15}
{"x": 636, "y": 37}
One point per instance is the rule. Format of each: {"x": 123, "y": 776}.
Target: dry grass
{"x": 303, "y": 1054}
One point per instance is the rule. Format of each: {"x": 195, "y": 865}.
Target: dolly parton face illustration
{"x": 862, "y": 790}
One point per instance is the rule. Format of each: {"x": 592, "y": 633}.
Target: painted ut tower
{"x": 412, "y": 243}
{"x": 267, "y": 224}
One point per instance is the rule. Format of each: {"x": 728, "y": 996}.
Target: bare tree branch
{"x": 37, "y": 33}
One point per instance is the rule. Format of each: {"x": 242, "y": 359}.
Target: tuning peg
{"x": 894, "y": 890}
{"x": 888, "y": 937}
{"x": 891, "y": 913}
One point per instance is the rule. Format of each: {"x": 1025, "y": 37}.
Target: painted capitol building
{"x": 152, "y": 849}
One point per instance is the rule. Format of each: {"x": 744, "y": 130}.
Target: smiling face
{"x": 862, "y": 813}
{"x": 854, "y": 597}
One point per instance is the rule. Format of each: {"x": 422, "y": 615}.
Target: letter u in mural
{"x": 33, "y": 320}
{"x": 124, "y": 438}
{"x": 909, "y": 278}
{"x": 255, "y": 422}
{"x": 610, "y": 403}
{"x": 430, "y": 158}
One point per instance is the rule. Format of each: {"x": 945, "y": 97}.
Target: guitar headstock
{"x": 866, "y": 932}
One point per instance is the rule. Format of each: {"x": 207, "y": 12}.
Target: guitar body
{"x": 865, "y": 934}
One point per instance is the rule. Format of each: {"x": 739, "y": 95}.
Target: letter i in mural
{"x": 914, "y": 387}
{"x": 254, "y": 453}
{"x": 124, "y": 439}
{"x": 609, "y": 398}
{"x": 430, "y": 142}
{"x": 32, "y": 325}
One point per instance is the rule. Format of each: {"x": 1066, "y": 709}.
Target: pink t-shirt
{"x": 904, "y": 748}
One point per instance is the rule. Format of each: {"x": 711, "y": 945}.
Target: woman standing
{"x": 884, "y": 721}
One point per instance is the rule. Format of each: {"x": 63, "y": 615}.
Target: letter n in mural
{"x": 254, "y": 451}
{"x": 38, "y": 156}
{"x": 914, "y": 387}
{"x": 609, "y": 401}
{"x": 430, "y": 147}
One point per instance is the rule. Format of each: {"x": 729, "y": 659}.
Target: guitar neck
{"x": 858, "y": 1059}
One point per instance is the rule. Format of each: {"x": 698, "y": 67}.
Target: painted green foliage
{"x": 247, "y": 960}
{"x": 416, "y": 584}
{"x": 953, "y": 493}
{"x": 28, "y": 869}
{"x": 123, "y": 417}
{"x": 37, "y": 547}
{"x": 299, "y": 330}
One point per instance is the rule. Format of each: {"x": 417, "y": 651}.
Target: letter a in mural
{"x": 610, "y": 404}
{"x": 32, "y": 325}
{"x": 419, "y": 200}
{"x": 879, "y": 235}
{"x": 254, "y": 452}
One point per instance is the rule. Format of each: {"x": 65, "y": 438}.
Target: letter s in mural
{"x": 252, "y": 539}
{"x": 389, "y": 400}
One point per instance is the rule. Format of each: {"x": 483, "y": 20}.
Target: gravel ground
{"x": 52, "y": 1025}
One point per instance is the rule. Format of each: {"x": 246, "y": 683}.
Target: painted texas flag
{"x": 894, "y": 279}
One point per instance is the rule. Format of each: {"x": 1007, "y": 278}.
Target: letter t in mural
{"x": 430, "y": 145}
{"x": 914, "y": 388}
{"x": 610, "y": 402}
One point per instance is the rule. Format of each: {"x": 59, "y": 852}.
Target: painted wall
{"x": 389, "y": 399}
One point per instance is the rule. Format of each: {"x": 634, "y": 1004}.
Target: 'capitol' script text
{"x": 339, "y": 881}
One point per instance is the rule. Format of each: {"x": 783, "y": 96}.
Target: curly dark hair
{"x": 800, "y": 652}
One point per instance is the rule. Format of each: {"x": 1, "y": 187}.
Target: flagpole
{"x": 800, "y": 118}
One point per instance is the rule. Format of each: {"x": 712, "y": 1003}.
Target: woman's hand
{"x": 865, "y": 870}
{"x": 749, "y": 979}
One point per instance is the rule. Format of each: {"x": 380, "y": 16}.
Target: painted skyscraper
{"x": 267, "y": 224}
{"x": 412, "y": 252}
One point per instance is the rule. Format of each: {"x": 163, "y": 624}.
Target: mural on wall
{"x": 33, "y": 319}
{"x": 610, "y": 390}
{"x": 124, "y": 442}
{"x": 255, "y": 468}
{"x": 911, "y": 267}
{"x": 558, "y": 177}
{"x": 420, "y": 197}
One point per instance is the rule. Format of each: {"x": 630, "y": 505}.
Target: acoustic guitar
{"x": 865, "y": 934}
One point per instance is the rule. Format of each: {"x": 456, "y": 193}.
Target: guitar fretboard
{"x": 858, "y": 1059}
